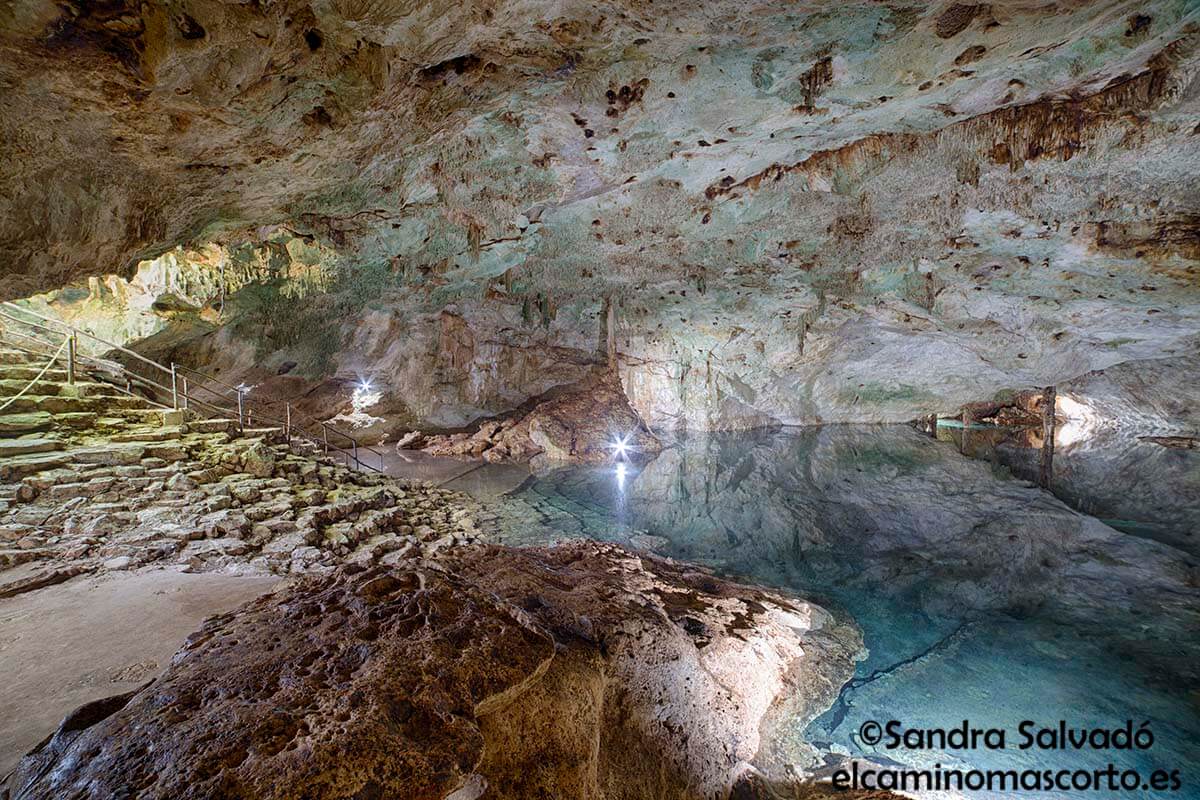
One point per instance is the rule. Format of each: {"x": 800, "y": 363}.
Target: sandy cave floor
{"x": 99, "y": 635}
{"x": 96, "y": 636}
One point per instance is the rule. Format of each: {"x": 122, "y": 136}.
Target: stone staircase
{"x": 91, "y": 479}
{"x": 56, "y": 423}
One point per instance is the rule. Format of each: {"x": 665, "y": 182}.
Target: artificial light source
{"x": 620, "y": 447}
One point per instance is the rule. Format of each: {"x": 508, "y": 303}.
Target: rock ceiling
{"x": 802, "y": 212}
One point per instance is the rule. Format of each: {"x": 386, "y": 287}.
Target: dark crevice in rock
{"x": 467, "y": 62}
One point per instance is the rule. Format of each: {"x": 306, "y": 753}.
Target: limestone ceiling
{"x": 584, "y": 143}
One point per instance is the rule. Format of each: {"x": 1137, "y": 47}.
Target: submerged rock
{"x": 578, "y": 671}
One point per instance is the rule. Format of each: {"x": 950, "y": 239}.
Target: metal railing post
{"x": 355, "y": 450}
{"x": 325, "y": 437}
{"x": 287, "y": 424}
{"x": 71, "y": 359}
{"x": 174, "y": 387}
{"x": 241, "y": 406}
{"x": 185, "y": 391}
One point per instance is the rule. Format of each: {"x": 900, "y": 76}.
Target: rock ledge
{"x": 581, "y": 671}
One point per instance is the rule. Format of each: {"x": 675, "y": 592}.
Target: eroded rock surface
{"x": 862, "y": 212}
{"x": 589, "y": 422}
{"x": 577, "y": 671}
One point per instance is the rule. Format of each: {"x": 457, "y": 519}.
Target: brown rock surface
{"x": 577, "y": 671}
{"x": 579, "y": 423}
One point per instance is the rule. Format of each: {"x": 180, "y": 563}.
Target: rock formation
{"x": 761, "y": 214}
{"x": 93, "y": 481}
{"x": 580, "y": 671}
{"x": 551, "y": 232}
{"x": 589, "y": 422}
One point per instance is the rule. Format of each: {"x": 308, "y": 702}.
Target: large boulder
{"x": 579, "y": 671}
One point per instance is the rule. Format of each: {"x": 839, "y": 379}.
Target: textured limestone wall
{"x": 864, "y": 211}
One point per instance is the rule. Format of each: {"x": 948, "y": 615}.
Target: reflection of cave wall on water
{"x": 1137, "y": 486}
{"x": 832, "y": 508}
{"x": 1124, "y": 449}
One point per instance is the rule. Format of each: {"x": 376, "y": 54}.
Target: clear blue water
{"x": 980, "y": 596}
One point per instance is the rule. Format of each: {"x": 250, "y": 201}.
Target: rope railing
{"x": 70, "y": 329}
{"x": 182, "y": 394}
{"x": 9, "y": 401}
{"x": 101, "y": 370}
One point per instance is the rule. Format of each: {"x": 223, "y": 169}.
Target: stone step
{"x": 22, "y": 447}
{"x": 145, "y": 415}
{"x": 9, "y": 356}
{"x": 27, "y": 372}
{"x": 52, "y": 388}
{"x": 149, "y": 434}
{"x": 108, "y": 455}
{"x": 56, "y": 405}
{"x": 269, "y": 435}
{"x": 212, "y": 426}
{"x": 17, "y": 467}
{"x": 19, "y": 424}
{"x": 77, "y": 420}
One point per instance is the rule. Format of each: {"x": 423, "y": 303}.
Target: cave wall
{"x": 865, "y": 212}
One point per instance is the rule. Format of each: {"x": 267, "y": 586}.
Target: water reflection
{"x": 981, "y": 596}
{"x": 1133, "y": 484}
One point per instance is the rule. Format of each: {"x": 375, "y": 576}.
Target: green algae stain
{"x": 881, "y": 394}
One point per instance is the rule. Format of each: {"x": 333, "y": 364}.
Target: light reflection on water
{"x": 980, "y": 596}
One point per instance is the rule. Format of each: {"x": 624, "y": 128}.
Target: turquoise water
{"x": 981, "y": 597}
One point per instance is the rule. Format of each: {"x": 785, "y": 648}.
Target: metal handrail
{"x": 243, "y": 413}
{"x": 289, "y": 412}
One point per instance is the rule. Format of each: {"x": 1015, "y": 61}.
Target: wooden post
{"x": 966, "y": 425}
{"x": 1049, "y": 400}
{"x": 71, "y": 359}
{"x": 174, "y": 387}
{"x": 184, "y": 395}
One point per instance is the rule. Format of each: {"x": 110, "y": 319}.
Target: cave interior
{"x": 599, "y": 399}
